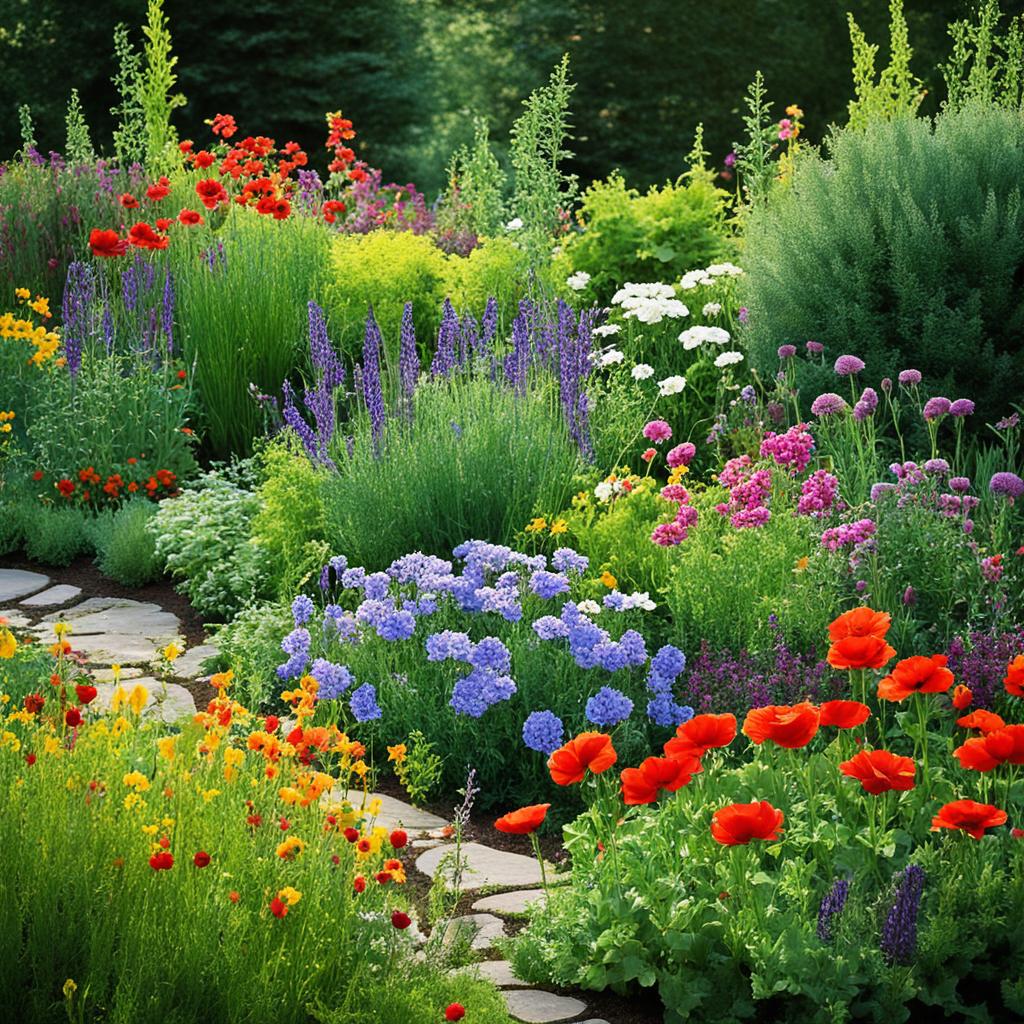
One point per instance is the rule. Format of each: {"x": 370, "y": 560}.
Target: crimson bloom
{"x": 591, "y": 751}
{"x": 1014, "y": 679}
{"x": 128, "y": 201}
{"x": 701, "y": 734}
{"x": 107, "y": 243}
{"x": 400, "y": 919}
{"x": 278, "y": 907}
{"x": 982, "y": 720}
{"x": 142, "y": 236}
{"x": 210, "y": 192}
{"x": 454, "y": 1011}
{"x": 73, "y": 717}
{"x": 642, "y": 785}
{"x": 398, "y": 838}
{"x": 85, "y": 693}
{"x": 844, "y": 714}
{"x": 790, "y": 726}
{"x": 856, "y": 652}
{"x": 524, "y": 821}
{"x": 201, "y": 859}
{"x": 879, "y": 771}
{"x": 159, "y": 191}
{"x": 968, "y": 816}
{"x": 34, "y": 702}
{"x": 739, "y": 824}
{"x": 162, "y": 860}
{"x": 190, "y": 218}
{"x": 983, "y": 753}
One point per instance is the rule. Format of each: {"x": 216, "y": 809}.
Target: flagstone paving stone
{"x": 62, "y": 593}
{"x": 484, "y": 866}
{"x": 190, "y": 664}
{"x": 538, "y": 1007}
{"x": 18, "y": 583}
{"x": 514, "y": 902}
{"x": 177, "y": 703}
{"x": 394, "y": 813}
{"x": 499, "y": 972}
{"x": 118, "y": 615}
{"x": 485, "y": 929}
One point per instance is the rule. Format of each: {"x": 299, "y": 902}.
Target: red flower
{"x": 128, "y": 201}
{"x": 278, "y": 907}
{"x": 190, "y": 218}
{"x": 1014, "y": 679}
{"x": 962, "y": 697}
{"x": 854, "y": 652}
{"x": 233, "y": 896}
{"x": 163, "y": 223}
{"x": 918, "y": 674}
{"x": 589, "y": 750}
{"x": 701, "y": 734}
{"x": 879, "y": 771}
{"x": 524, "y": 821}
{"x": 107, "y": 243}
{"x": 34, "y": 702}
{"x": 203, "y": 159}
{"x": 968, "y": 816}
{"x": 400, "y": 919}
{"x": 201, "y": 859}
{"x": 454, "y": 1011}
{"x": 186, "y": 145}
{"x": 66, "y": 487}
{"x": 351, "y": 834}
{"x": 142, "y": 236}
{"x": 30, "y": 759}
{"x": 399, "y": 838}
{"x": 282, "y": 208}
{"x": 37, "y": 475}
{"x": 224, "y": 126}
{"x": 844, "y": 714}
{"x": 788, "y": 726}
{"x": 359, "y": 883}
{"x": 85, "y": 693}
{"x": 1017, "y": 833}
{"x": 157, "y": 192}
{"x": 162, "y": 861}
{"x": 271, "y": 722}
{"x": 983, "y": 753}
{"x": 331, "y": 208}
{"x": 642, "y": 785}
{"x": 738, "y": 824}
{"x": 73, "y": 718}
{"x": 210, "y": 192}
{"x": 859, "y": 622}
{"x": 982, "y": 720}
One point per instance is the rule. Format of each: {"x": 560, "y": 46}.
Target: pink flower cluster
{"x": 670, "y": 534}
{"x": 681, "y": 455}
{"x": 848, "y": 534}
{"x": 749, "y": 490}
{"x": 992, "y": 568}
{"x": 657, "y": 431}
{"x": 790, "y": 450}
{"x": 818, "y": 495}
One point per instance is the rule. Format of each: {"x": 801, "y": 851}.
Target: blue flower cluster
{"x": 666, "y": 667}
{"x": 543, "y": 731}
{"x": 302, "y": 609}
{"x": 334, "y": 679}
{"x": 296, "y": 645}
{"x": 591, "y": 646}
{"x": 363, "y": 703}
{"x": 487, "y": 682}
{"x": 549, "y": 584}
{"x": 608, "y": 707}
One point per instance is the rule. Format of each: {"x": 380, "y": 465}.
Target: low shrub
{"x": 125, "y": 546}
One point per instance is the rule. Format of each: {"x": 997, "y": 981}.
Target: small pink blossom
{"x": 657, "y": 431}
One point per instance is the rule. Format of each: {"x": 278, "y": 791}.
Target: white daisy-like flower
{"x": 724, "y": 270}
{"x": 653, "y": 311}
{"x": 694, "y": 278}
{"x": 728, "y": 359}
{"x": 514, "y": 224}
{"x": 712, "y": 308}
{"x": 603, "y": 491}
{"x": 694, "y": 337}
{"x": 642, "y": 371}
{"x": 589, "y": 607}
{"x": 671, "y": 385}
{"x": 606, "y": 330}
{"x": 611, "y": 357}
{"x": 578, "y": 281}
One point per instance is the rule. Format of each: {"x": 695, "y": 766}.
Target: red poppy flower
{"x": 642, "y": 785}
{"x": 37, "y": 475}
{"x": 85, "y": 693}
{"x": 224, "y": 126}
{"x": 157, "y": 192}
{"x": 738, "y": 824}
{"x": 398, "y": 838}
{"x": 161, "y": 861}
{"x": 701, "y": 734}
{"x": 65, "y": 487}
{"x": 203, "y": 159}
{"x": 589, "y": 750}
{"x": 855, "y": 652}
{"x": 107, "y": 243}
{"x": 128, "y": 201}
{"x": 454, "y": 1011}
{"x": 234, "y": 896}
{"x": 201, "y": 859}
{"x": 282, "y": 208}
{"x": 982, "y": 720}
{"x": 278, "y": 907}
{"x": 30, "y": 759}
{"x": 142, "y": 236}
{"x": 265, "y": 206}
{"x": 1014, "y": 679}
{"x": 984, "y": 753}
{"x": 788, "y": 726}
{"x": 210, "y": 192}
{"x": 524, "y": 821}
{"x": 859, "y": 622}
{"x": 879, "y": 771}
{"x": 968, "y": 816}
{"x": 359, "y": 883}
{"x": 190, "y": 218}
{"x": 186, "y": 145}
{"x": 271, "y": 722}
{"x": 962, "y": 697}
{"x": 34, "y": 703}
{"x": 844, "y": 714}
{"x": 73, "y": 717}
{"x": 918, "y": 674}
{"x": 331, "y": 208}
{"x": 163, "y": 223}
{"x": 400, "y": 919}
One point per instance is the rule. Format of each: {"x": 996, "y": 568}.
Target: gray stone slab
{"x": 169, "y": 707}
{"x": 118, "y": 615}
{"x": 514, "y": 902}
{"x": 116, "y": 648}
{"x": 485, "y": 929}
{"x": 537, "y": 1007}
{"x": 485, "y": 866}
{"x": 425, "y": 844}
{"x": 499, "y": 972}
{"x": 13, "y": 618}
{"x": 106, "y": 675}
{"x": 62, "y": 593}
{"x": 190, "y": 664}
{"x": 18, "y": 583}
{"x": 394, "y": 813}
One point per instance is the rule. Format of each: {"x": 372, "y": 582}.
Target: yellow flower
{"x": 70, "y": 988}
{"x": 137, "y": 698}
{"x": 115, "y": 670}
{"x": 289, "y": 795}
{"x": 138, "y": 781}
{"x": 61, "y": 629}
{"x": 801, "y": 564}
{"x": 209, "y": 794}
{"x": 8, "y": 645}
{"x": 134, "y": 800}
{"x": 559, "y": 526}
{"x": 289, "y": 895}
{"x": 41, "y": 306}
{"x": 121, "y": 725}
{"x": 221, "y": 680}
{"x": 361, "y": 768}
{"x": 171, "y": 652}
{"x": 24, "y": 293}
{"x": 166, "y": 746}
{"x": 51, "y": 745}
{"x": 118, "y": 699}
{"x": 9, "y": 739}
{"x": 537, "y": 524}
{"x": 609, "y": 580}
{"x": 397, "y": 753}
{"x": 373, "y": 808}
{"x": 150, "y": 830}
{"x": 290, "y": 848}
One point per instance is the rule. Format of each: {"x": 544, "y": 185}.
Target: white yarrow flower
{"x": 514, "y": 224}
{"x": 578, "y": 281}
{"x": 605, "y": 330}
{"x": 712, "y": 308}
{"x": 728, "y": 359}
{"x": 642, "y": 371}
{"x": 612, "y": 356}
{"x": 589, "y": 607}
{"x": 694, "y": 337}
{"x": 724, "y": 270}
{"x": 671, "y": 385}
{"x": 694, "y": 278}
{"x": 603, "y": 491}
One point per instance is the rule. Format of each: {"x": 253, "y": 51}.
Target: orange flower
{"x": 859, "y": 622}
{"x": 642, "y": 785}
{"x": 700, "y": 734}
{"x": 982, "y": 720}
{"x": 983, "y": 753}
{"x": 589, "y": 750}
{"x": 853, "y": 652}
{"x": 968, "y": 816}
{"x": 1014, "y": 680}
{"x": 879, "y": 771}
{"x": 918, "y": 674}
{"x": 524, "y": 821}
{"x": 962, "y": 697}
{"x": 788, "y": 726}
{"x": 844, "y": 714}
{"x": 738, "y": 824}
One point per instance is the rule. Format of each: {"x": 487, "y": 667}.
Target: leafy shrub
{"x": 496, "y": 268}
{"x": 125, "y": 546}
{"x": 202, "y": 539}
{"x": 250, "y": 645}
{"x": 55, "y": 536}
{"x": 905, "y": 247}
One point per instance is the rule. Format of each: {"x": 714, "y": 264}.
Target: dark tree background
{"x": 412, "y": 73}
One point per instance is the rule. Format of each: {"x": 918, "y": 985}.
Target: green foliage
{"x": 155, "y": 85}
{"x": 985, "y": 66}
{"x": 904, "y": 248}
{"x": 497, "y": 267}
{"x": 55, "y": 536}
{"x": 130, "y": 130}
{"x": 202, "y": 540}
{"x": 544, "y": 192}
{"x": 753, "y": 155}
{"x": 419, "y": 771}
{"x": 250, "y": 644}
{"x": 28, "y": 132}
{"x": 125, "y": 546}
{"x": 78, "y": 146}
{"x": 475, "y": 178}
{"x": 896, "y": 93}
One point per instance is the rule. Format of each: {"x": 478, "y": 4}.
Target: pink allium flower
{"x": 847, "y": 366}
{"x": 657, "y": 431}
{"x": 815, "y": 347}
{"x": 786, "y": 351}
{"x": 681, "y": 455}
{"x": 937, "y": 407}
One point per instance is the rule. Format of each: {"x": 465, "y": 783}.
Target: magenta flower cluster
{"x": 791, "y": 450}
{"x": 818, "y": 495}
{"x": 848, "y": 534}
{"x": 749, "y": 491}
{"x": 681, "y": 455}
{"x": 657, "y": 431}
{"x": 670, "y": 534}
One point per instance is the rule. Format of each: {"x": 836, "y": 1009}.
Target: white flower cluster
{"x": 606, "y": 329}
{"x": 627, "y": 602}
{"x": 589, "y": 607}
{"x": 578, "y": 281}
{"x": 671, "y": 386}
{"x": 694, "y": 337}
{"x": 695, "y": 278}
{"x": 649, "y": 303}
{"x": 642, "y": 371}
{"x": 515, "y": 224}
{"x": 712, "y": 308}
{"x": 610, "y": 358}
{"x": 608, "y": 489}
{"x": 728, "y": 359}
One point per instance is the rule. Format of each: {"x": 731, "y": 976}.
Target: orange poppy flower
{"x": 879, "y": 771}
{"x": 982, "y": 720}
{"x": 859, "y": 622}
{"x": 788, "y": 726}
{"x": 107, "y": 243}
{"x": 738, "y": 824}
{"x": 524, "y": 821}
{"x": 642, "y": 785}
{"x": 968, "y": 816}
{"x": 853, "y": 652}
{"x": 844, "y": 714}
{"x": 983, "y": 753}
{"x": 962, "y": 697}
{"x": 918, "y": 674}
{"x": 701, "y": 734}
{"x": 1014, "y": 680}
{"x": 589, "y": 750}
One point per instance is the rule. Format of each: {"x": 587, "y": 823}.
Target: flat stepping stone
{"x": 106, "y": 675}
{"x": 116, "y": 615}
{"x": 485, "y": 928}
{"x": 13, "y": 618}
{"x": 484, "y": 866}
{"x": 498, "y": 972}
{"x": 62, "y": 593}
{"x": 394, "y": 813}
{"x": 425, "y": 844}
{"x": 190, "y": 664}
{"x": 514, "y": 902}
{"x": 117, "y": 648}
{"x": 18, "y": 583}
{"x": 537, "y": 1007}
{"x": 177, "y": 703}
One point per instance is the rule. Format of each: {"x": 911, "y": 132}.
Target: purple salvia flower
{"x": 372, "y": 392}
{"x": 444, "y": 356}
{"x": 517, "y": 361}
{"x": 321, "y": 352}
{"x": 294, "y": 419}
{"x": 108, "y": 328}
{"x": 130, "y": 287}
{"x": 79, "y": 292}
{"x": 831, "y": 905}
{"x": 167, "y": 310}
{"x": 408, "y": 359}
{"x": 489, "y": 325}
{"x": 899, "y": 933}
